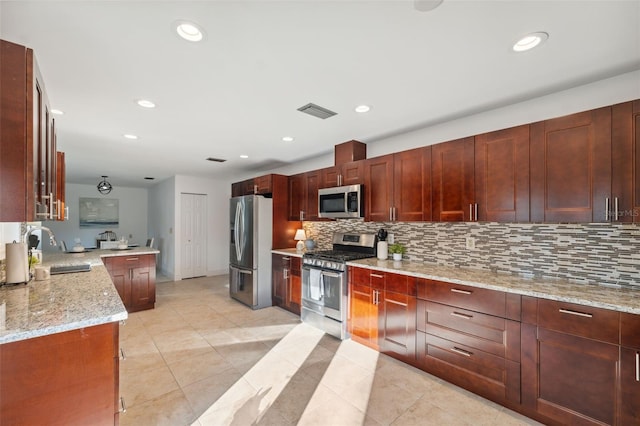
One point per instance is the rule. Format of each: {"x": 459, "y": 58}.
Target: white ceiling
{"x": 237, "y": 92}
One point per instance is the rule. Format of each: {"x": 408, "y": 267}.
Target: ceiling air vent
{"x": 217, "y": 160}
{"x": 316, "y": 111}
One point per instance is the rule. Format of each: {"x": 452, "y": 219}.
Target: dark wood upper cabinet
{"x": 312, "y": 183}
{"x": 351, "y": 173}
{"x": 378, "y": 188}
{"x": 453, "y": 190}
{"x": 571, "y": 168}
{"x": 303, "y": 196}
{"x": 502, "y": 175}
{"x": 625, "y": 159}
{"x": 412, "y": 185}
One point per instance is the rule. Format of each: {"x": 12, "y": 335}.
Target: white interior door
{"x": 193, "y": 235}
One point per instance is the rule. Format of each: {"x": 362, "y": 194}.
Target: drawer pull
{"x": 459, "y": 315}
{"x": 580, "y": 314}
{"x": 131, "y": 259}
{"x": 286, "y": 258}
{"x": 376, "y": 276}
{"x": 456, "y": 290}
{"x": 461, "y": 351}
{"x": 637, "y": 366}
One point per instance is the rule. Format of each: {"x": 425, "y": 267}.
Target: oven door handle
{"x": 331, "y": 274}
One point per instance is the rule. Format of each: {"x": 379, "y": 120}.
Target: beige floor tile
{"x": 387, "y": 401}
{"x": 327, "y": 408}
{"x": 171, "y": 409}
{"x": 204, "y": 393}
{"x": 200, "y": 366}
{"x": 147, "y": 385}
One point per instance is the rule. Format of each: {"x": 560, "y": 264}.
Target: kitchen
{"x": 446, "y": 243}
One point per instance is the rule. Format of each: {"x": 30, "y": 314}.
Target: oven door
{"x": 328, "y": 300}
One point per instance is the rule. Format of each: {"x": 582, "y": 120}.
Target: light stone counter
{"x": 289, "y": 252}
{"x": 64, "y": 302}
{"x": 623, "y": 299}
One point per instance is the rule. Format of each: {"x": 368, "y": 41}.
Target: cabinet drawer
{"x": 359, "y": 276}
{"x": 466, "y": 357}
{"x": 630, "y": 330}
{"x": 487, "y": 333}
{"x": 398, "y": 283}
{"x": 579, "y": 320}
{"x": 476, "y": 299}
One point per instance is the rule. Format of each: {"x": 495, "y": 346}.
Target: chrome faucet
{"x": 52, "y": 238}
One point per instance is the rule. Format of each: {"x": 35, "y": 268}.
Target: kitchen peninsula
{"x": 59, "y": 351}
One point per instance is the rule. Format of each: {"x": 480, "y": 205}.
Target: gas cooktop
{"x": 337, "y": 255}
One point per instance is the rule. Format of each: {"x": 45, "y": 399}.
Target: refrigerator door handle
{"x": 236, "y": 231}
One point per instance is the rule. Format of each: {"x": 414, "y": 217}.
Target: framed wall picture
{"x": 99, "y": 212}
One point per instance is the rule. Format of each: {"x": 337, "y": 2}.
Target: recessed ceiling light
{"x": 57, "y": 112}
{"x": 145, "y": 103}
{"x": 363, "y": 108}
{"x": 287, "y": 139}
{"x": 530, "y": 41}
{"x": 244, "y": 156}
{"x": 189, "y": 31}
{"x": 130, "y": 136}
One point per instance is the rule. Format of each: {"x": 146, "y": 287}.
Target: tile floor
{"x": 201, "y": 358}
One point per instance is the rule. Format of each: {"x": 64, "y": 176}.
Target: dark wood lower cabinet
{"x": 397, "y": 325}
{"x": 629, "y": 386}
{"x": 573, "y": 380}
{"x": 286, "y": 282}
{"x": 68, "y": 378}
{"x": 134, "y": 277}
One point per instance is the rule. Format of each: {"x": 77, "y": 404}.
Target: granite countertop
{"x": 623, "y": 299}
{"x": 64, "y": 302}
{"x": 289, "y": 252}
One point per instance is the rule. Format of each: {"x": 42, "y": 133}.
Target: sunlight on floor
{"x": 242, "y": 404}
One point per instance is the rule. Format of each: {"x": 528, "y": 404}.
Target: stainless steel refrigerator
{"x": 250, "y": 250}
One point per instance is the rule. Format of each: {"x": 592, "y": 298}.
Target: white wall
{"x": 132, "y": 211}
{"x": 162, "y": 216}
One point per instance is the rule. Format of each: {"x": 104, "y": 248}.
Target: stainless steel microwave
{"x": 340, "y": 202}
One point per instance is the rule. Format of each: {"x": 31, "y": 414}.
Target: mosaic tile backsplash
{"x": 600, "y": 253}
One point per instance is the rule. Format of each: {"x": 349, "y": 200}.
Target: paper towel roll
{"x": 17, "y": 263}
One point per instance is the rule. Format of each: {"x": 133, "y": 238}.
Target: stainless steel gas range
{"x": 324, "y": 281}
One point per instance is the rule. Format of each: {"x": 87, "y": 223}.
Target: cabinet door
{"x": 636, "y": 161}
{"x": 378, "y": 188}
{"x": 397, "y": 325}
{"x": 625, "y": 161}
{"x": 352, "y": 173}
{"x": 329, "y": 177}
{"x": 61, "y": 185}
{"x": 453, "y": 181}
{"x": 363, "y": 314}
{"x": 629, "y": 386}
{"x": 570, "y": 379}
{"x": 262, "y": 185}
{"x": 571, "y": 168}
{"x": 297, "y": 196}
{"x": 312, "y": 182}
{"x": 279, "y": 279}
{"x": 502, "y": 175}
{"x": 294, "y": 290}
{"x": 143, "y": 284}
{"x": 412, "y": 185}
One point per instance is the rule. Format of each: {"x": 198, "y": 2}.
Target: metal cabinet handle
{"x": 459, "y": 315}
{"x": 637, "y": 366}
{"x": 606, "y": 209}
{"x": 286, "y": 258}
{"x": 461, "y": 351}
{"x": 132, "y": 259}
{"x": 455, "y": 290}
{"x": 470, "y": 212}
{"x": 123, "y": 406}
{"x": 570, "y": 312}
{"x": 615, "y": 209}
{"x": 476, "y": 211}
{"x": 301, "y": 215}
{"x": 377, "y": 276}
{"x": 390, "y": 213}
{"x": 285, "y": 274}
{"x": 123, "y": 356}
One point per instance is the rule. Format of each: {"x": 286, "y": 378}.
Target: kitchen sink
{"x": 68, "y": 269}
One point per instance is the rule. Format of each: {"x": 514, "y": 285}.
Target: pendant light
{"x": 104, "y": 187}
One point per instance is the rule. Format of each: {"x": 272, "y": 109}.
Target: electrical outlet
{"x": 390, "y": 238}
{"x": 471, "y": 243}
